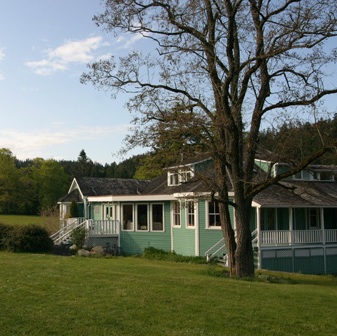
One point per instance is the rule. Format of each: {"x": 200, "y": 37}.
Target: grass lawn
{"x": 53, "y": 295}
{"x": 50, "y": 223}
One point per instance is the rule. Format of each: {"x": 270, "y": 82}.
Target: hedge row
{"x": 29, "y": 238}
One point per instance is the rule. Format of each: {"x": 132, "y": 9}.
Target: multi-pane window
{"x": 142, "y": 217}
{"x": 173, "y": 178}
{"x": 190, "y": 215}
{"x": 176, "y": 213}
{"x": 157, "y": 217}
{"x": 127, "y": 217}
{"x": 213, "y": 214}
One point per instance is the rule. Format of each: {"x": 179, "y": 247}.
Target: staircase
{"x": 218, "y": 251}
{"x": 63, "y": 236}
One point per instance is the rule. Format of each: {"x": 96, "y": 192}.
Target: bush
{"x": 157, "y": 254}
{"x": 78, "y": 237}
{"x": 4, "y": 231}
{"x": 29, "y": 238}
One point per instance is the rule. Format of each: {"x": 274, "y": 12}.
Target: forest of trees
{"x": 35, "y": 185}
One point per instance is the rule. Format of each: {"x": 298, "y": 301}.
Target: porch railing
{"x": 102, "y": 227}
{"x": 215, "y": 250}
{"x": 94, "y": 228}
{"x": 284, "y": 237}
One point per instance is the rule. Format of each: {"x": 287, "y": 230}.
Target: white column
{"x": 258, "y": 231}
{"x": 291, "y": 225}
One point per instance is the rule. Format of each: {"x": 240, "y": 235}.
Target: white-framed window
{"x": 213, "y": 214}
{"x": 185, "y": 175}
{"x": 127, "y": 217}
{"x": 314, "y": 218}
{"x": 176, "y": 214}
{"x": 190, "y": 214}
{"x": 157, "y": 217}
{"x": 173, "y": 178}
{"x": 178, "y": 176}
{"x": 142, "y": 217}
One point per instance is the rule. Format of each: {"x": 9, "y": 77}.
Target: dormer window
{"x": 173, "y": 178}
{"x": 179, "y": 176}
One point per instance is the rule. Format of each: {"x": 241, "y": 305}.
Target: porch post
{"x": 323, "y": 237}
{"x": 258, "y": 229}
{"x": 291, "y": 225}
{"x": 321, "y": 212}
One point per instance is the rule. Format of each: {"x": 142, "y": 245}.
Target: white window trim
{"x": 151, "y": 217}
{"x": 173, "y": 213}
{"x": 178, "y": 176}
{"x": 209, "y": 227}
{"x": 136, "y": 218}
{"x": 188, "y": 213}
{"x": 133, "y": 215}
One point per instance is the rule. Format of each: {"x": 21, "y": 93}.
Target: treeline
{"x": 34, "y": 186}
{"x": 296, "y": 140}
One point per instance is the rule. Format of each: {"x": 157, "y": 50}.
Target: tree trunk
{"x": 244, "y": 257}
{"x": 229, "y": 237}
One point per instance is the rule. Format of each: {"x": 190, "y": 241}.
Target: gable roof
{"x": 299, "y": 194}
{"x": 94, "y": 186}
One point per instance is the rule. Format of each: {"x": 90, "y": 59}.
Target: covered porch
{"x": 94, "y": 228}
{"x": 295, "y": 226}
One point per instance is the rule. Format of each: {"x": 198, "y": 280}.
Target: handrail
{"x": 65, "y": 232}
{"x": 210, "y": 254}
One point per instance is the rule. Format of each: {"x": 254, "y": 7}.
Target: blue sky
{"x": 44, "y": 109}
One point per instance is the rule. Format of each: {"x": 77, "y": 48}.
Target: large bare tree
{"x": 216, "y": 70}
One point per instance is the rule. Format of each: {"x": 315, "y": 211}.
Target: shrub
{"x": 29, "y": 238}
{"x": 157, "y": 254}
{"x": 78, "y": 237}
{"x": 4, "y": 231}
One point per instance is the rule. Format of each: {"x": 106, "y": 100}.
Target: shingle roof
{"x": 92, "y": 186}
{"x": 299, "y": 194}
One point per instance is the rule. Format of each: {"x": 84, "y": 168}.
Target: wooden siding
{"x": 207, "y": 237}
{"x": 134, "y": 242}
{"x": 183, "y": 237}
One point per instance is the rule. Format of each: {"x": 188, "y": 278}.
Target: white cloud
{"x": 2, "y": 54}
{"x": 38, "y": 142}
{"x": 59, "y": 58}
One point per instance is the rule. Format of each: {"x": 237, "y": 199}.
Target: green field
{"x": 53, "y": 295}
{"x": 50, "y": 223}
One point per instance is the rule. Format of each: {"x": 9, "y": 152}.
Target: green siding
{"x": 183, "y": 237}
{"x": 134, "y": 242}
{"x": 208, "y": 237}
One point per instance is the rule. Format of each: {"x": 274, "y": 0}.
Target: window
{"x": 314, "y": 222}
{"x": 176, "y": 213}
{"x": 213, "y": 214}
{"x": 176, "y": 177}
{"x": 190, "y": 216}
{"x": 268, "y": 219}
{"x": 173, "y": 178}
{"x": 185, "y": 175}
{"x": 127, "y": 217}
{"x": 142, "y": 217}
{"x": 157, "y": 217}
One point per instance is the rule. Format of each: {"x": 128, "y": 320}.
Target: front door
{"x": 109, "y": 212}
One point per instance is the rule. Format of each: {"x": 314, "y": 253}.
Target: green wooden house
{"x": 294, "y": 224}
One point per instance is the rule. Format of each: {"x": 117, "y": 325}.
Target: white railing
{"x": 330, "y": 236}
{"x": 215, "y": 249}
{"x": 307, "y": 236}
{"x": 284, "y": 237}
{"x": 68, "y": 225}
{"x": 102, "y": 227}
{"x": 275, "y": 237}
{"x": 94, "y": 227}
